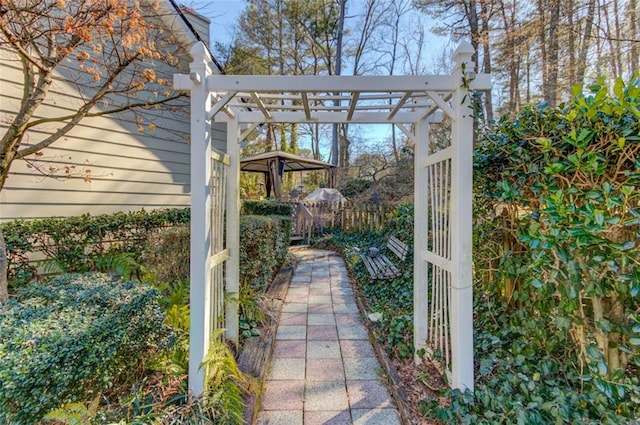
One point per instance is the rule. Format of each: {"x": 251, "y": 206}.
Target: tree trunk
{"x": 581, "y": 66}
{"x": 634, "y": 51}
{"x": 551, "y": 85}
{"x": 4, "y": 291}
{"x": 571, "y": 43}
{"x": 486, "y": 59}
{"x": 335, "y": 135}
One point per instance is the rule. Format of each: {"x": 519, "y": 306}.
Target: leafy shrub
{"x": 166, "y": 253}
{"x": 266, "y": 208}
{"x": 263, "y": 247}
{"x": 61, "y": 341}
{"x": 557, "y": 218}
{"x": 74, "y": 244}
{"x": 355, "y": 186}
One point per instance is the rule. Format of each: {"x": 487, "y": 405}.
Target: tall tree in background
{"x": 335, "y": 136}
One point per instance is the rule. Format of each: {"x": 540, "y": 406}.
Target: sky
{"x": 223, "y": 16}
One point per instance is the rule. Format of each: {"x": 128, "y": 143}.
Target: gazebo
{"x": 274, "y": 164}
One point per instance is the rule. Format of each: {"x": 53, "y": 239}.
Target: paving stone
{"x": 287, "y": 368}
{"x": 321, "y": 281}
{"x": 291, "y": 332}
{"x": 296, "y": 298}
{"x": 345, "y": 309}
{"x": 356, "y": 348}
{"x": 294, "y": 308}
{"x": 348, "y": 319}
{"x": 283, "y": 395}
{"x": 375, "y": 417}
{"x": 320, "y": 309}
{"x": 319, "y": 299}
{"x": 325, "y": 395}
{"x": 361, "y": 368}
{"x": 322, "y": 333}
{"x": 339, "y": 291}
{"x": 323, "y": 350}
{"x": 352, "y": 332}
{"x": 287, "y": 318}
{"x": 290, "y": 348}
{"x": 301, "y": 290}
{"x": 327, "y": 417}
{"x": 325, "y": 290}
{"x": 325, "y": 370}
{"x": 371, "y": 394}
{"x": 316, "y": 319}
{"x": 281, "y": 417}
{"x": 344, "y": 299}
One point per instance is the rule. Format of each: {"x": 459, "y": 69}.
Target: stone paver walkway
{"x": 323, "y": 369}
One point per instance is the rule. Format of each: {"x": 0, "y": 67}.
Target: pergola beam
{"x": 325, "y": 117}
{"x": 399, "y": 105}
{"x": 353, "y": 105}
{"x": 330, "y": 84}
{"x": 261, "y": 105}
{"x": 221, "y": 104}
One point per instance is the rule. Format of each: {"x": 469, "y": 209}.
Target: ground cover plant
{"x": 65, "y": 340}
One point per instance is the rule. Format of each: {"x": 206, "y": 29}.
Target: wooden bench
{"x": 380, "y": 266}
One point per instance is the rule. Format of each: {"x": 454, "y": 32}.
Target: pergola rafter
{"x": 443, "y": 178}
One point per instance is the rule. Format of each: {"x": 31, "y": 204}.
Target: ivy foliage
{"x": 63, "y": 341}
{"x": 557, "y": 223}
{"x": 77, "y": 244}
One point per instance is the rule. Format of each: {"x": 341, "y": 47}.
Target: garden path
{"x": 324, "y": 369}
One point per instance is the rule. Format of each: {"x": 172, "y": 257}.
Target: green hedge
{"x": 61, "y": 340}
{"x": 74, "y": 243}
{"x": 263, "y": 246}
{"x": 266, "y": 208}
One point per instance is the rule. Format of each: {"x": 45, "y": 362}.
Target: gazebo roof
{"x": 259, "y": 162}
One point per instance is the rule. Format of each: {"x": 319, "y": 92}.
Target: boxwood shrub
{"x": 266, "y": 208}
{"x": 61, "y": 340}
{"x": 263, "y": 247}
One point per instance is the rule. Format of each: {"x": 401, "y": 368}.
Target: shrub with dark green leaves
{"x": 166, "y": 253}
{"x": 263, "y": 247}
{"x": 74, "y": 244}
{"x": 557, "y": 226}
{"x": 266, "y": 208}
{"x": 61, "y": 341}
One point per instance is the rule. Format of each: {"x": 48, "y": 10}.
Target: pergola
{"x": 443, "y": 295}
{"x": 274, "y": 164}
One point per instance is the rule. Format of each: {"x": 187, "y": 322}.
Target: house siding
{"x": 114, "y": 166}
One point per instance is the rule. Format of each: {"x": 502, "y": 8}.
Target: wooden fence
{"x": 347, "y": 216}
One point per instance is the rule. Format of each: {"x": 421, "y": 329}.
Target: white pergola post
{"x": 232, "y": 276}
{"x": 461, "y": 224}
{"x": 420, "y": 236}
{"x": 200, "y": 292}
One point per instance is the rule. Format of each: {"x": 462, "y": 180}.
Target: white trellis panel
{"x": 218, "y": 183}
